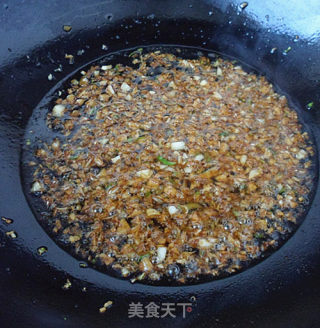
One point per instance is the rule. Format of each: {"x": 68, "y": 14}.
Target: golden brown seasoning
{"x": 175, "y": 168}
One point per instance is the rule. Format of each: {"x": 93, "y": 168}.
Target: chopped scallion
{"x": 165, "y": 161}
{"x": 136, "y": 52}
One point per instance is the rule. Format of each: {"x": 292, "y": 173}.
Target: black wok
{"x": 279, "y": 39}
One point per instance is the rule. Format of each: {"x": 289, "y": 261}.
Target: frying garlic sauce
{"x": 174, "y": 168}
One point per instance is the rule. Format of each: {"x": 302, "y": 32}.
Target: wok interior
{"x": 40, "y": 132}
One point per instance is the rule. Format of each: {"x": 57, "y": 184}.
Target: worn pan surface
{"x": 279, "y": 39}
